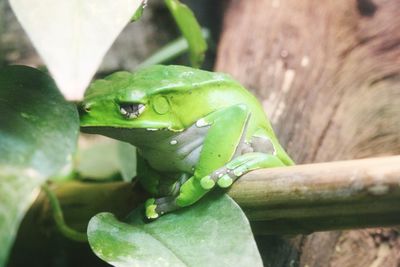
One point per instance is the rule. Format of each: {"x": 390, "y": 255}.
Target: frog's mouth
{"x": 87, "y": 123}
{"x": 132, "y": 116}
{"x": 135, "y": 136}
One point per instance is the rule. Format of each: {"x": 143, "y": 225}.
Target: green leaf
{"x": 190, "y": 29}
{"x": 139, "y": 12}
{"x": 72, "y": 36}
{"x": 38, "y": 133}
{"x": 213, "y": 232}
{"x": 170, "y": 51}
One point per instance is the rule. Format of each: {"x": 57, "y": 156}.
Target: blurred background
{"x": 138, "y": 41}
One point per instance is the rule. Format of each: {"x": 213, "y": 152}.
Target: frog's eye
{"x": 131, "y": 110}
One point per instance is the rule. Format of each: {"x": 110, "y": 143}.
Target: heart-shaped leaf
{"x": 72, "y": 36}
{"x": 213, "y": 232}
{"x": 38, "y": 133}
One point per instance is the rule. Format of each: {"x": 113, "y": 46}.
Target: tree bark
{"x": 328, "y": 76}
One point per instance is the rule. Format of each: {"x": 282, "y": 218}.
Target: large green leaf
{"x": 38, "y": 132}
{"x": 72, "y": 36}
{"x": 213, "y": 232}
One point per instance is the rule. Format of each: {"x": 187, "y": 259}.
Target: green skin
{"x": 193, "y": 130}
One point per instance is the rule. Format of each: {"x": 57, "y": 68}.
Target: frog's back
{"x": 189, "y": 90}
{"x": 198, "y": 93}
{"x": 208, "y": 91}
{"x": 211, "y": 91}
{"x": 175, "y": 78}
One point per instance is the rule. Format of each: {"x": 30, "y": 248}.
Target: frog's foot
{"x": 157, "y": 207}
{"x": 223, "y": 176}
{"x": 239, "y": 166}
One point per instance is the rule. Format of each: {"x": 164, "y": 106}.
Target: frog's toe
{"x": 207, "y": 182}
{"x": 151, "y": 207}
{"x": 223, "y": 177}
{"x": 157, "y": 207}
{"x": 225, "y": 181}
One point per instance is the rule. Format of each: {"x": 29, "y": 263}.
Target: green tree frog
{"x": 193, "y": 130}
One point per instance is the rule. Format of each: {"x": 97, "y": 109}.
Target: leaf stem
{"x": 59, "y": 217}
{"x": 190, "y": 29}
{"x": 171, "y": 50}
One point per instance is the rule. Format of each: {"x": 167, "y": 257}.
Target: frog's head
{"x": 130, "y": 101}
{"x": 154, "y": 98}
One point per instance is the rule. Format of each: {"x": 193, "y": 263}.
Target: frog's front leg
{"x": 227, "y": 130}
{"x": 239, "y": 166}
{"x": 166, "y": 203}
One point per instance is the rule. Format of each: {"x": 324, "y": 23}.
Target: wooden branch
{"x": 290, "y": 200}
{"x": 322, "y": 196}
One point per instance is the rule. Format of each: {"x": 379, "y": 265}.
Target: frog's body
{"x": 193, "y": 129}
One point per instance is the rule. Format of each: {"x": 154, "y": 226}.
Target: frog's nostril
{"x": 86, "y": 107}
{"x": 83, "y": 108}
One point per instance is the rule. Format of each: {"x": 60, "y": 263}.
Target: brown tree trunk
{"x": 328, "y": 76}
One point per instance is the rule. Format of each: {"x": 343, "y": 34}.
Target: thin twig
{"x": 59, "y": 217}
